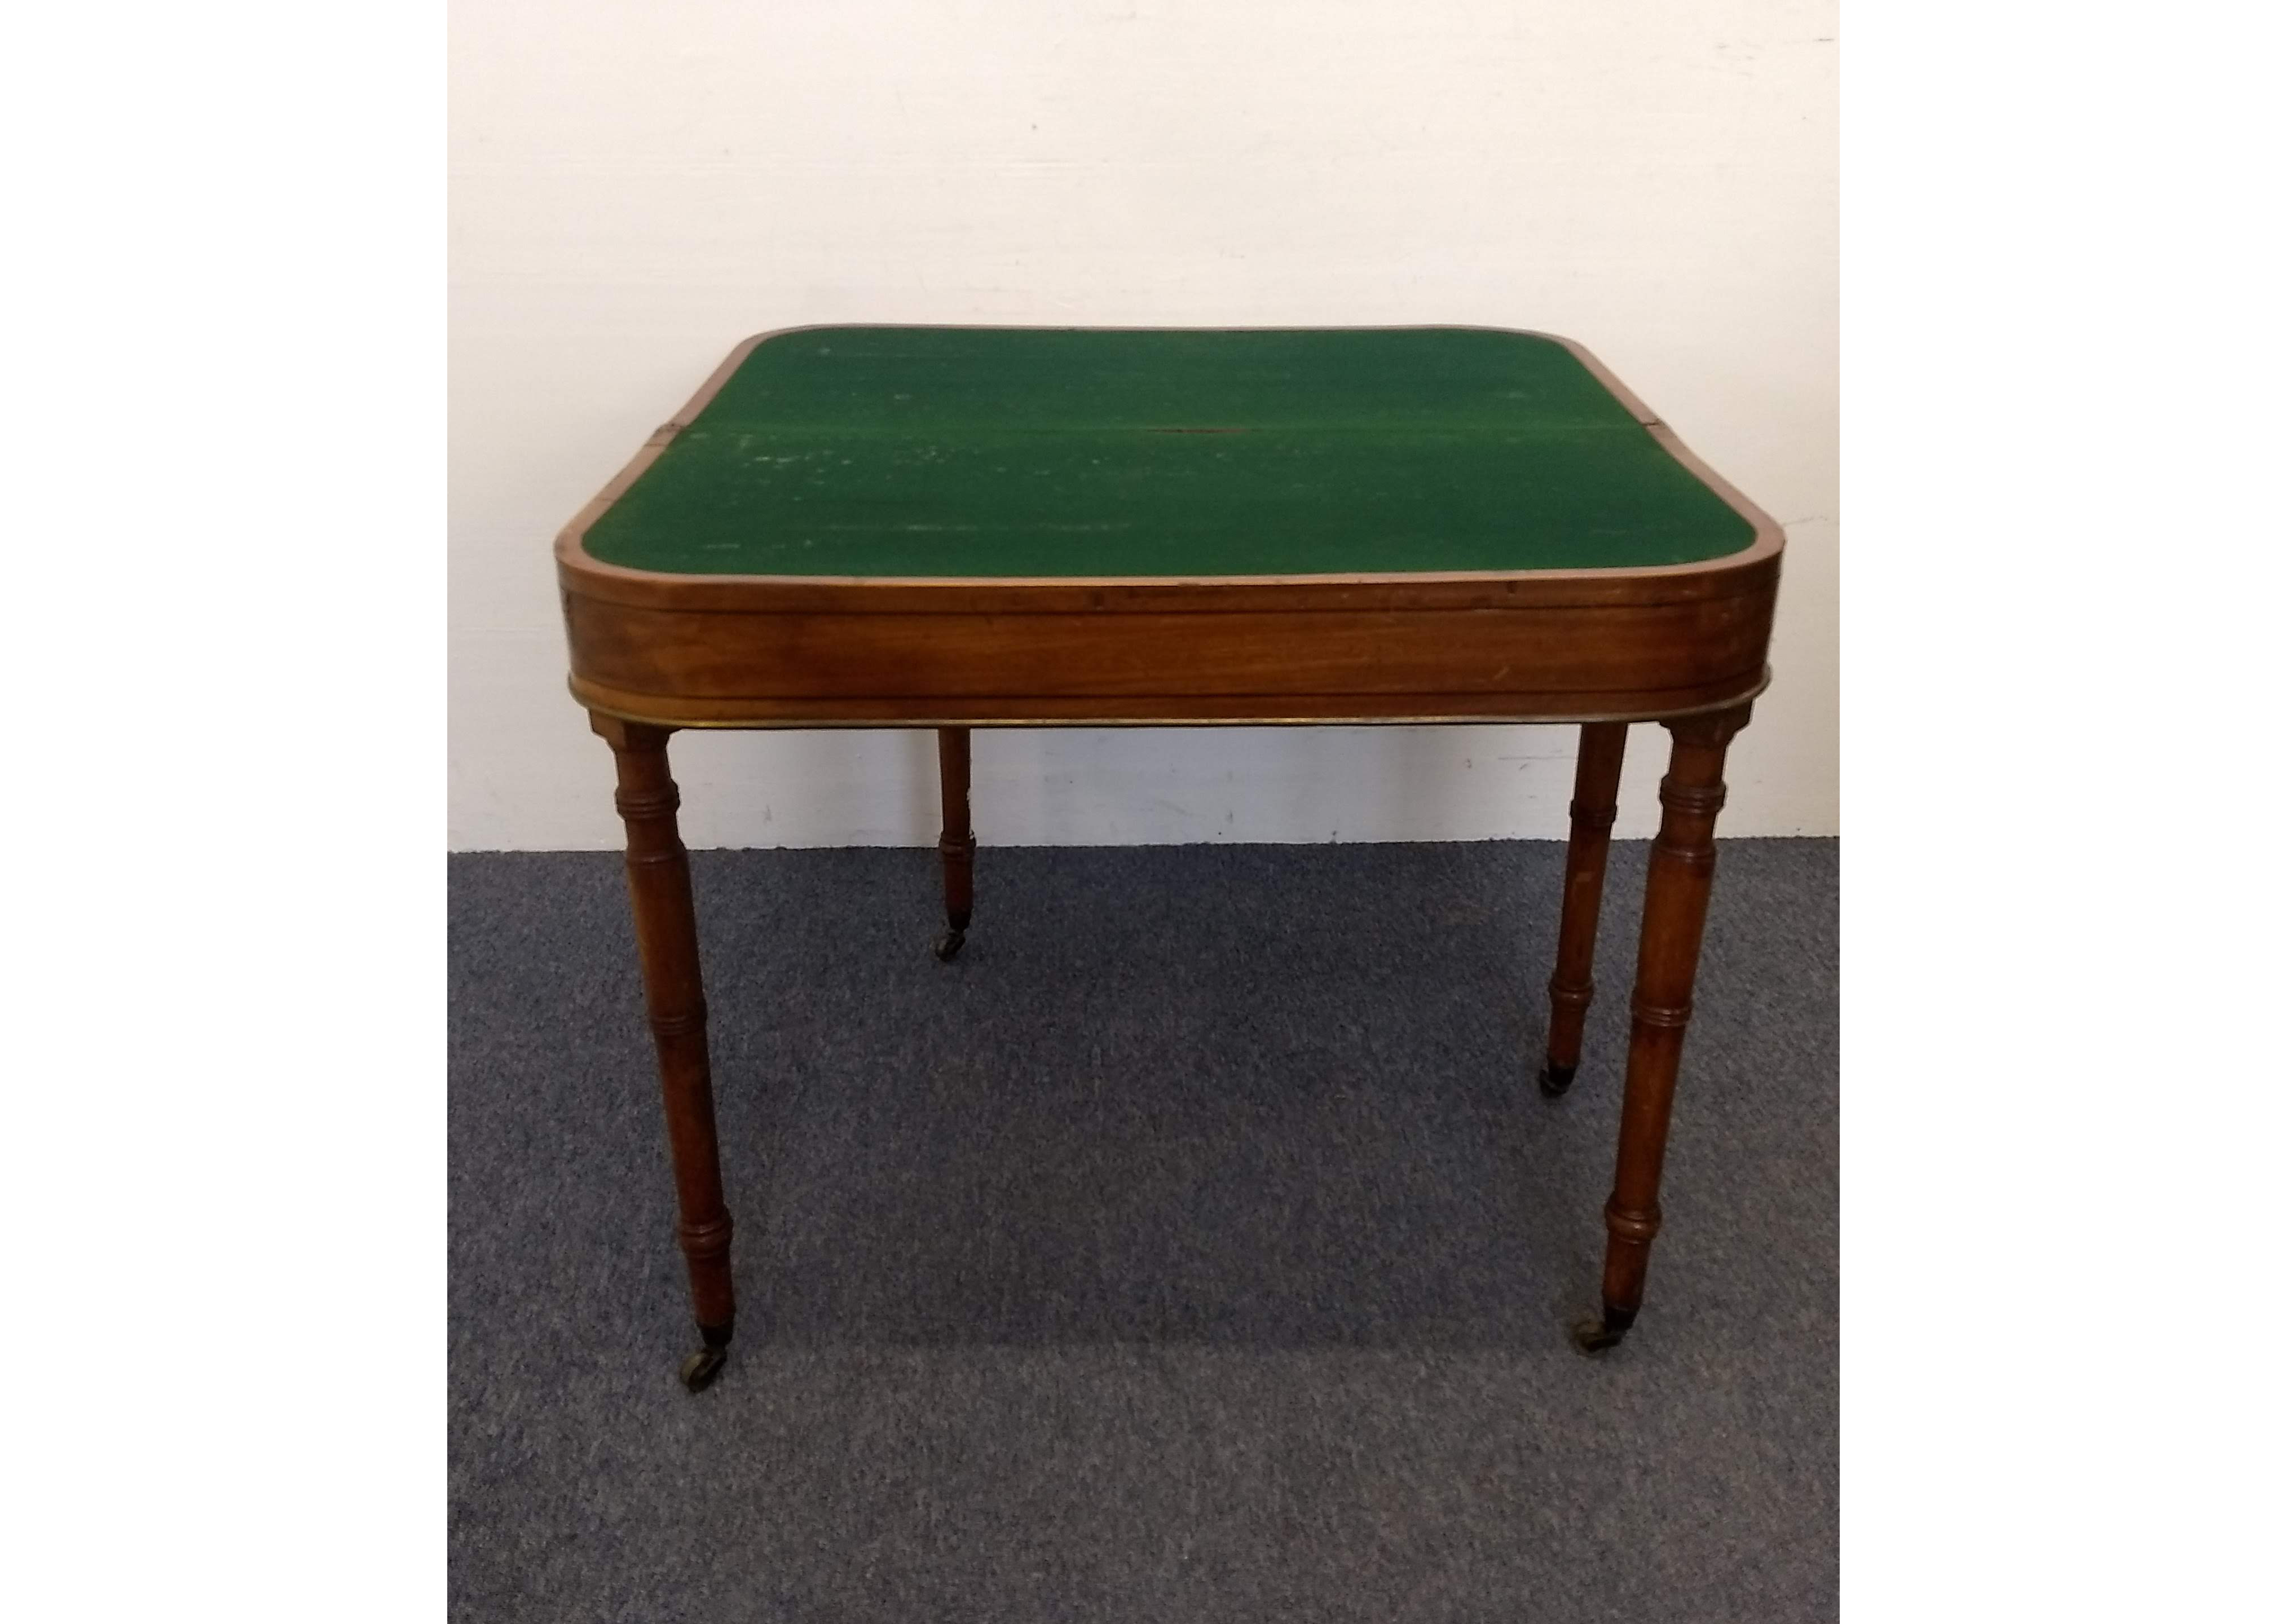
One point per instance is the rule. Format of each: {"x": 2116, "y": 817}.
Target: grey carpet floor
{"x": 1196, "y": 1246}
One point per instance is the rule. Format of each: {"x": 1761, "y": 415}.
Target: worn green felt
{"x": 973, "y": 451}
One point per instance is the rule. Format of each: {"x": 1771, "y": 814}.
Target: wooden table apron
{"x": 1685, "y": 645}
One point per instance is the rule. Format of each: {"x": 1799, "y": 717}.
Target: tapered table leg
{"x": 662, "y": 917}
{"x": 1673, "y": 927}
{"x": 956, "y": 845}
{"x": 1594, "y": 807}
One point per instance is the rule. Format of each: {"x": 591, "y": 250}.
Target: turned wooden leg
{"x": 955, "y": 842}
{"x": 1594, "y": 804}
{"x": 1673, "y": 926}
{"x": 663, "y": 916}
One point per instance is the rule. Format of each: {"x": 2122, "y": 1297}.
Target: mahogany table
{"x": 953, "y": 528}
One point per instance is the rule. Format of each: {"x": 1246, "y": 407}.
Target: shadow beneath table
{"x": 1285, "y": 1102}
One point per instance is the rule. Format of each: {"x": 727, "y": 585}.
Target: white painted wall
{"x": 637, "y": 186}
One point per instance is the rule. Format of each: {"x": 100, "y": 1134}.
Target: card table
{"x": 957, "y": 528}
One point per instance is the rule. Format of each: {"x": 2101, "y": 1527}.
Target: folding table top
{"x": 919, "y": 452}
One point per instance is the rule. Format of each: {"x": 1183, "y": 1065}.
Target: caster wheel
{"x": 1595, "y": 1337}
{"x": 948, "y": 946}
{"x": 1555, "y": 1080}
{"x": 702, "y": 1368}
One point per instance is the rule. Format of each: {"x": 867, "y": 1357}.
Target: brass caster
{"x": 1593, "y": 1336}
{"x": 1555, "y": 1080}
{"x": 1599, "y": 1336}
{"x": 948, "y": 946}
{"x": 702, "y": 1368}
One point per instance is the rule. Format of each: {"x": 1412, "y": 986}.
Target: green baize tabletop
{"x": 1017, "y": 452}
